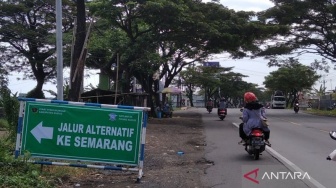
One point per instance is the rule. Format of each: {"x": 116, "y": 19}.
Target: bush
{"x": 3, "y": 124}
{"x": 11, "y": 107}
{"x": 37, "y": 94}
{"x": 15, "y": 172}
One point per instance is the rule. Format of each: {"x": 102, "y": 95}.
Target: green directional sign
{"x": 82, "y": 133}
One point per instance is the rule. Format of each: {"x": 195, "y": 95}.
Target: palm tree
{"x": 320, "y": 92}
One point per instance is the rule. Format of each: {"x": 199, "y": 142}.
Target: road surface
{"x": 300, "y": 145}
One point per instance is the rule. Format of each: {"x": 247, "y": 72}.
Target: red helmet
{"x": 249, "y": 97}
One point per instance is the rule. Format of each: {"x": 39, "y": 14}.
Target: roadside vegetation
{"x": 321, "y": 112}
{"x": 19, "y": 172}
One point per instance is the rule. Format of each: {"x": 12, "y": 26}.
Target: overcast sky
{"x": 246, "y": 5}
{"x": 256, "y": 69}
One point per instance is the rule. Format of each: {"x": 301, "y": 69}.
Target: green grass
{"x": 321, "y": 112}
{"x": 3, "y": 124}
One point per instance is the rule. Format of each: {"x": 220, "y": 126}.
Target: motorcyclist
{"x": 221, "y": 104}
{"x": 253, "y": 113}
{"x": 296, "y": 101}
{"x": 209, "y": 104}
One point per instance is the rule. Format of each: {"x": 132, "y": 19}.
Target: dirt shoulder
{"x": 163, "y": 167}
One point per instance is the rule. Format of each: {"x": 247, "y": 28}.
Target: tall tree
{"x": 79, "y": 53}
{"x": 311, "y": 27}
{"x": 27, "y": 36}
{"x": 216, "y": 82}
{"x": 291, "y": 76}
{"x": 189, "y": 76}
{"x": 167, "y": 36}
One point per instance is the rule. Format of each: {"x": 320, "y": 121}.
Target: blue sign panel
{"x": 211, "y": 64}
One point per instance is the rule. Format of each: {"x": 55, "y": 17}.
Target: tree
{"x": 189, "y": 77}
{"x": 217, "y": 82}
{"x": 79, "y": 53}
{"x": 27, "y": 34}
{"x": 311, "y": 27}
{"x": 321, "y": 91}
{"x": 175, "y": 33}
{"x": 3, "y": 77}
{"x": 291, "y": 76}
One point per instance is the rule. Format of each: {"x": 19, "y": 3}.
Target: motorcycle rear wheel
{"x": 256, "y": 154}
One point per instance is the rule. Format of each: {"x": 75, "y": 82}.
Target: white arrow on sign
{"x": 40, "y": 132}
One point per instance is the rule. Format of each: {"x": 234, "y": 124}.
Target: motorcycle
{"x": 296, "y": 108}
{"x": 332, "y": 155}
{"x": 332, "y": 107}
{"x": 209, "y": 109}
{"x": 255, "y": 144}
{"x": 222, "y": 113}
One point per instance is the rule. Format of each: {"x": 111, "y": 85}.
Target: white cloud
{"x": 246, "y": 5}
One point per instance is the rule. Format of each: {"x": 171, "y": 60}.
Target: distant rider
{"x": 221, "y": 104}
{"x": 209, "y": 104}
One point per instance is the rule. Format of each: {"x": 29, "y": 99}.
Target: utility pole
{"x": 116, "y": 83}
{"x": 59, "y": 48}
{"x": 323, "y": 82}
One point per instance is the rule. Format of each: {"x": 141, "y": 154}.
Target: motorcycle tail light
{"x": 257, "y": 133}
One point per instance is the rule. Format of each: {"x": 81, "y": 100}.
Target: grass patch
{"x": 62, "y": 174}
{"x": 20, "y": 173}
{"x": 322, "y": 112}
{"x": 3, "y": 124}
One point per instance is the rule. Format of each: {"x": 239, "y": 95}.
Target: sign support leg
{"x": 19, "y": 130}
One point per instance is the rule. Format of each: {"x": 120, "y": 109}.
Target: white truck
{"x": 278, "y": 100}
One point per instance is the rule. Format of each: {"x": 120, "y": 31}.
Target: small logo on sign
{"x": 34, "y": 110}
{"x": 112, "y": 117}
{"x": 254, "y": 174}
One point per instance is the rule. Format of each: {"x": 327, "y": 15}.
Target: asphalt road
{"x": 304, "y": 140}
{"x": 297, "y": 158}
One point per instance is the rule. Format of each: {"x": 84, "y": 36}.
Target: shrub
{"x": 3, "y": 124}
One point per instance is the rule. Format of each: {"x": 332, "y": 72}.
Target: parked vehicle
{"x": 331, "y": 107}
{"x": 296, "y": 108}
{"x": 278, "y": 100}
{"x": 222, "y": 113}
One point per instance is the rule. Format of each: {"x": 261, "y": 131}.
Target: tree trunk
{"x": 37, "y": 68}
{"x": 76, "y": 80}
{"x": 190, "y": 95}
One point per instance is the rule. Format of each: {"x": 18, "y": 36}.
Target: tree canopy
{"x": 217, "y": 82}
{"x": 143, "y": 37}
{"x": 311, "y": 27}
{"x": 27, "y": 34}
{"x": 166, "y": 36}
{"x": 291, "y": 76}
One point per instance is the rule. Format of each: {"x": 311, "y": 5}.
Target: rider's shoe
{"x": 242, "y": 142}
{"x": 267, "y": 143}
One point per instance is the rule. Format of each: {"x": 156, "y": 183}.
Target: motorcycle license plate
{"x": 257, "y": 142}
